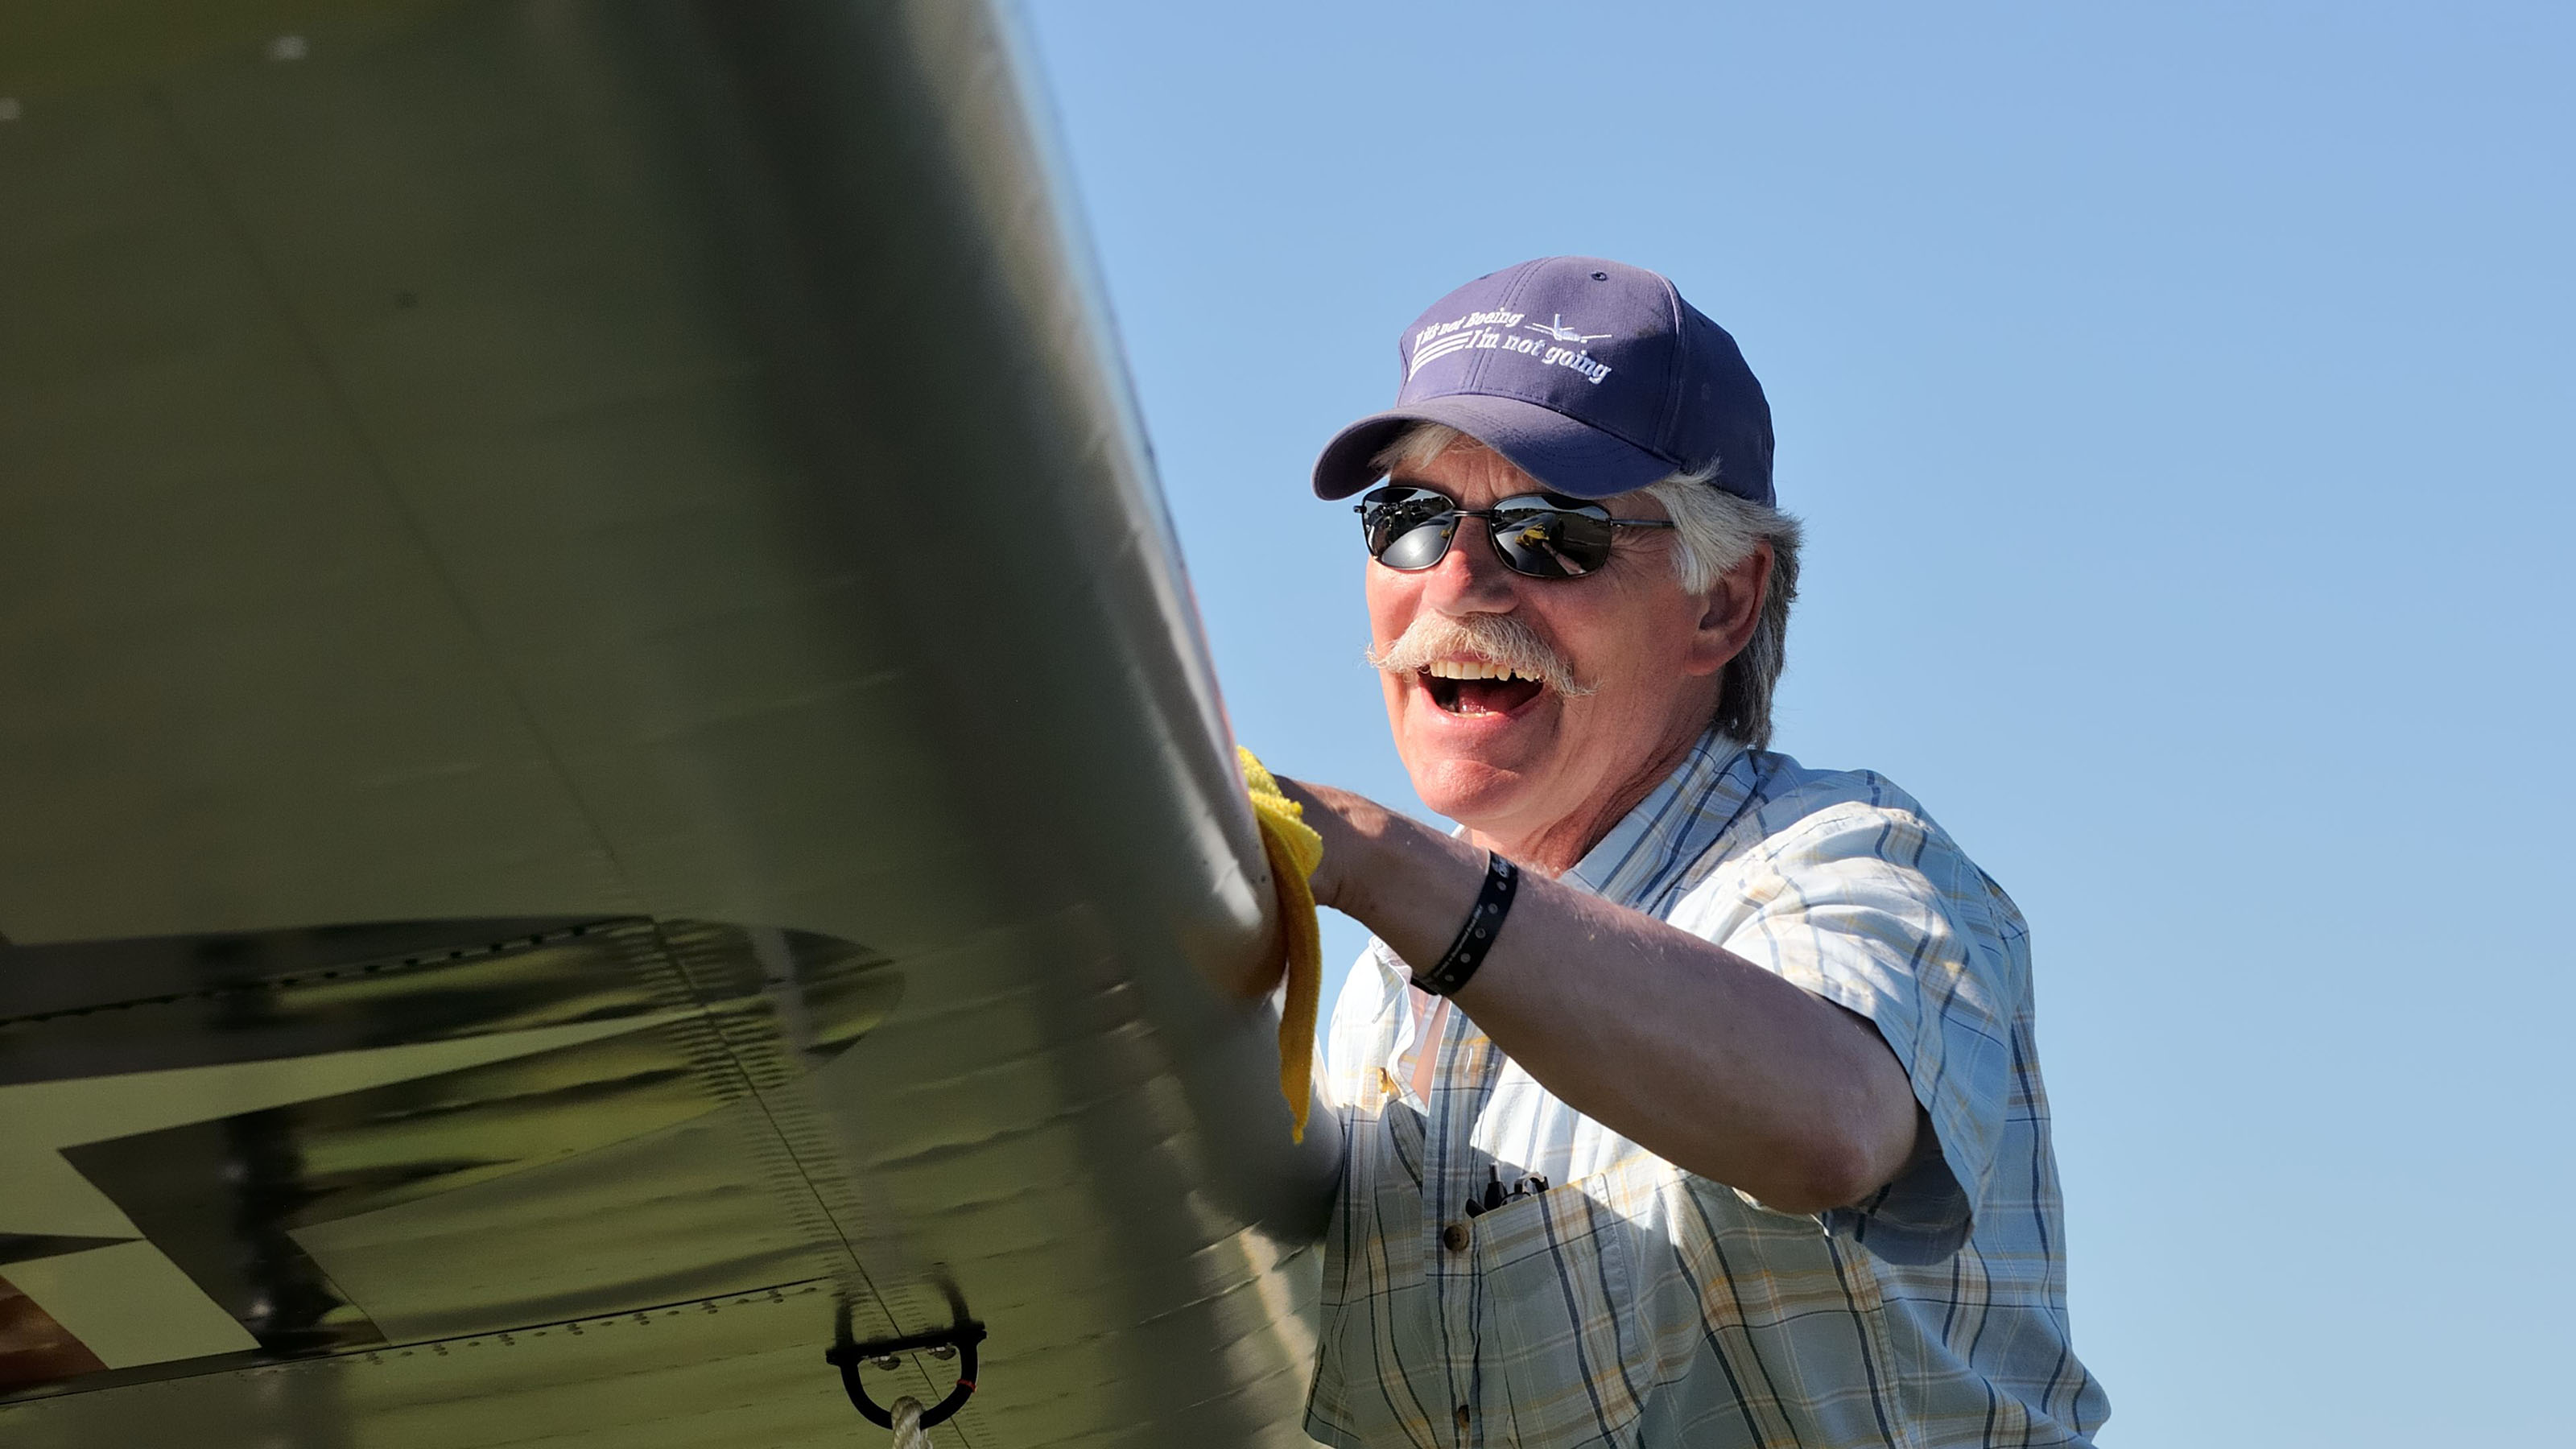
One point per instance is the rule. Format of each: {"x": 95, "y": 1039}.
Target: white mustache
{"x": 1493, "y": 638}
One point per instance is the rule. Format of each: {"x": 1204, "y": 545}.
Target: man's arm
{"x": 1686, "y": 1048}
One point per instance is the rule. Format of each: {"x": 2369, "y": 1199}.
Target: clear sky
{"x": 2178, "y": 400}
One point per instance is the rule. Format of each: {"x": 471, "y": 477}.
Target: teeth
{"x": 1471, "y": 669}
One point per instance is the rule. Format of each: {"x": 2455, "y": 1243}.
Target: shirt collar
{"x": 1672, "y": 827}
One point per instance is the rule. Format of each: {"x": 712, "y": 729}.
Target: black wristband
{"x": 1484, "y": 922}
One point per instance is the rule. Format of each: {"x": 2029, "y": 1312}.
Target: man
{"x": 1692, "y": 1097}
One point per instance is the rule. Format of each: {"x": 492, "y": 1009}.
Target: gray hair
{"x": 1713, "y": 531}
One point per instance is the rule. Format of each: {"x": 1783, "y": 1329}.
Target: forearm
{"x": 1697, "y": 1054}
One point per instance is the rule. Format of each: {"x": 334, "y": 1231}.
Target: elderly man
{"x": 1692, "y": 1093}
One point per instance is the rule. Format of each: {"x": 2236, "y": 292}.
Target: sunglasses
{"x": 1543, "y": 537}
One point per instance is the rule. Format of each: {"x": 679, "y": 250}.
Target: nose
{"x": 1470, "y": 578}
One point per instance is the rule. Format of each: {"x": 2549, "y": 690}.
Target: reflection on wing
{"x": 607, "y": 765}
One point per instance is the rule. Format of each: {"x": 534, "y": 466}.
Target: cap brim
{"x": 1568, "y": 457}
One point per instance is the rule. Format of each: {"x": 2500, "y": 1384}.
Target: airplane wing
{"x": 608, "y": 780}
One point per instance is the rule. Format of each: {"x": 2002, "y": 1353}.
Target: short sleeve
{"x": 1875, "y": 910}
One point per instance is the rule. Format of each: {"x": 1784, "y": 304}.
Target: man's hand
{"x": 1697, "y": 1054}
{"x": 1353, "y": 826}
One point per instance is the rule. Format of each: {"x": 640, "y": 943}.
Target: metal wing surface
{"x": 607, "y": 777}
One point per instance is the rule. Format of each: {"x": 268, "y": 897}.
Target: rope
{"x": 908, "y": 1433}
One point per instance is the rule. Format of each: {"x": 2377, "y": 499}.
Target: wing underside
{"x": 609, "y": 776}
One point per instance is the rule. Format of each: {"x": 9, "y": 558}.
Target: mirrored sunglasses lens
{"x": 1551, "y": 543}
{"x": 1418, "y": 547}
{"x": 1407, "y": 528}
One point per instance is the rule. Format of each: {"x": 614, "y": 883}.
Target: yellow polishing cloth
{"x": 1294, "y": 850}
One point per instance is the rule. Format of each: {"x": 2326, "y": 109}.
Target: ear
{"x": 1733, "y": 608}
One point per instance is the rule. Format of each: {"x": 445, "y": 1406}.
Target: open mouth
{"x": 1473, "y": 687}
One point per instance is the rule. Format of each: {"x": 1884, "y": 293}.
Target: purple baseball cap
{"x": 1591, "y": 376}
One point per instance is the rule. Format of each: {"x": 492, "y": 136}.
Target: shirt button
{"x": 1455, "y": 1238}
{"x": 1462, "y": 1418}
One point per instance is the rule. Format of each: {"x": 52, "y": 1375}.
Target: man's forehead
{"x": 1464, "y": 462}
{"x": 1461, "y": 456}
{"x": 1466, "y": 465}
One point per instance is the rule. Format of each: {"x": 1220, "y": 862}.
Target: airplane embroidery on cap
{"x": 1556, "y": 329}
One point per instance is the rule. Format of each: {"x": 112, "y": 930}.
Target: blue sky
{"x": 2176, "y": 397}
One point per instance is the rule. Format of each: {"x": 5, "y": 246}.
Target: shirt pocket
{"x": 1561, "y": 1320}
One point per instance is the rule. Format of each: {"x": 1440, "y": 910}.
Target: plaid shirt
{"x": 1634, "y": 1304}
